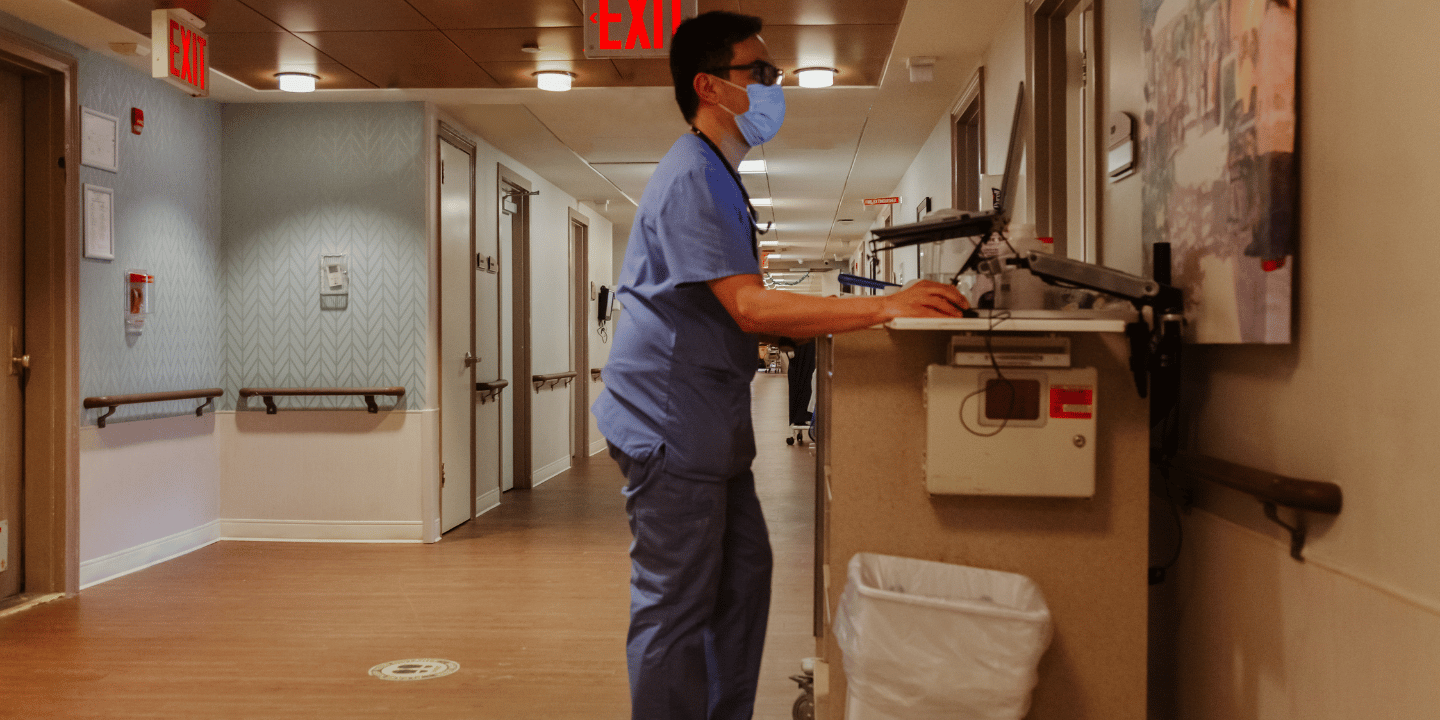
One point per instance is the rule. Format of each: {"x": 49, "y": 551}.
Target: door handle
{"x": 471, "y": 360}
{"x": 20, "y": 365}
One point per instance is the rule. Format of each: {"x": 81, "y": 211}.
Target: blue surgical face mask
{"x": 762, "y": 121}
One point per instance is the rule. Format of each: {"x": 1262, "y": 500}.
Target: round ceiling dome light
{"x": 816, "y": 77}
{"x": 297, "y": 81}
{"x": 553, "y": 80}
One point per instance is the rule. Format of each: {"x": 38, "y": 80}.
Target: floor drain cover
{"x": 422, "y": 669}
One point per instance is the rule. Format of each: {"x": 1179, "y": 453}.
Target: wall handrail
{"x": 552, "y": 379}
{"x": 113, "y": 402}
{"x": 1271, "y": 489}
{"x": 269, "y": 394}
{"x": 490, "y": 390}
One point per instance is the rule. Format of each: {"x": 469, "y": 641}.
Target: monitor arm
{"x": 1155, "y": 338}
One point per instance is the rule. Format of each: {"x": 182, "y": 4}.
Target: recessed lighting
{"x": 553, "y": 80}
{"x": 816, "y": 77}
{"x": 297, "y": 81}
{"x": 762, "y": 202}
{"x": 752, "y": 166}
{"x": 530, "y": 47}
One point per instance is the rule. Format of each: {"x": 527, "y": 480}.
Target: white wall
{"x": 602, "y": 272}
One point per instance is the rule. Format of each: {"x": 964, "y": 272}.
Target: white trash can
{"x": 926, "y": 640}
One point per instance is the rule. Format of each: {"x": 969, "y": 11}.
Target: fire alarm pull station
{"x": 139, "y": 292}
{"x": 137, "y": 120}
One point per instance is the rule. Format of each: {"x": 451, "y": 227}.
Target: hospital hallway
{"x": 530, "y": 599}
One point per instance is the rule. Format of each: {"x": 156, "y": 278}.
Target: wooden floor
{"x": 530, "y": 599}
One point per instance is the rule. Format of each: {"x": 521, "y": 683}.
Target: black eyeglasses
{"x": 763, "y": 72}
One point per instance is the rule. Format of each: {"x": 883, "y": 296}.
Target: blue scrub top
{"x": 679, "y": 373}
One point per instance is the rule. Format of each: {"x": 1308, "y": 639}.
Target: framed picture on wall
{"x": 1218, "y": 162}
{"x": 98, "y": 218}
{"x": 99, "y": 140}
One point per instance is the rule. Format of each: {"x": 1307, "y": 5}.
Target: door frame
{"x": 580, "y": 333}
{"x": 445, "y": 133}
{"x": 51, "y": 483}
{"x": 522, "y": 413}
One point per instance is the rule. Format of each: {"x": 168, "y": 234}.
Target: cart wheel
{"x": 789, "y": 441}
{"x": 804, "y": 707}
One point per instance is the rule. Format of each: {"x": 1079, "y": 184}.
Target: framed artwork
{"x": 98, "y": 217}
{"x": 99, "y": 140}
{"x": 1219, "y": 177}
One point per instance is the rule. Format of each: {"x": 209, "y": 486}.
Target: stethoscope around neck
{"x": 754, "y": 216}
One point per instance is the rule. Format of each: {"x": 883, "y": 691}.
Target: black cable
{"x": 995, "y": 365}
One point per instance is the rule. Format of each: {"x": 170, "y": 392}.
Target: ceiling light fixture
{"x": 553, "y": 80}
{"x": 762, "y": 202}
{"x": 816, "y": 77}
{"x": 530, "y": 47}
{"x": 752, "y": 166}
{"x": 297, "y": 81}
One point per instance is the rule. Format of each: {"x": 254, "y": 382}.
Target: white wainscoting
{"x": 149, "y": 490}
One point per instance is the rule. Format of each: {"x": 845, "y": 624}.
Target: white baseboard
{"x": 364, "y": 531}
{"x": 598, "y": 447}
{"x": 486, "y": 502}
{"x": 124, "y": 562}
{"x": 549, "y": 471}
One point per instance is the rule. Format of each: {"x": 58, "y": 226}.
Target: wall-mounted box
{"x": 1018, "y": 433}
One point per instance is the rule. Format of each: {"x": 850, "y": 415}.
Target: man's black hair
{"x": 702, "y": 43}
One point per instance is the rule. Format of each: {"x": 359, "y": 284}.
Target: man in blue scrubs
{"x": 676, "y": 404}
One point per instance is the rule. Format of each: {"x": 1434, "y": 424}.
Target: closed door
{"x": 12, "y": 332}
{"x": 457, "y": 344}
{"x": 513, "y": 237}
{"x": 490, "y": 447}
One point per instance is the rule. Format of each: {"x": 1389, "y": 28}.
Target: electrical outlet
{"x": 4, "y": 544}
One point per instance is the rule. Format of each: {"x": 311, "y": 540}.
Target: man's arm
{"x": 777, "y": 312}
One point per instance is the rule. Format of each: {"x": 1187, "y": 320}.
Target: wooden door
{"x": 12, "y": 333}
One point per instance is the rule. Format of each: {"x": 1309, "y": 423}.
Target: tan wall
{"x": 1353, "y": 631}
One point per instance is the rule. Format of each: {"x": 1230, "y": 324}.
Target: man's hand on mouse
{"x": 926, "y": 298}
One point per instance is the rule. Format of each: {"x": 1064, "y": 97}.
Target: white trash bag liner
{"x": 934, "y": 640}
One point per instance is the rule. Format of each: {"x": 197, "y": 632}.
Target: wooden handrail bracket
{"x": 113, "y": 402}
{"x": 268, "y": 395}
{"x": 490, "y": 390}
{"x": 595, "y": 374}
{"x": 553, "y": 379}
{"x": 1271, "y": 489}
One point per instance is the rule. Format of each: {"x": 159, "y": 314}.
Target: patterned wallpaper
{"x": 302, "y": 180}
{"x": 166, "y": 221}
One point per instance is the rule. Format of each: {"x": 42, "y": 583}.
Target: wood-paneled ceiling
{"x": 600, "y": 142}
{"x": 371, "y": 44}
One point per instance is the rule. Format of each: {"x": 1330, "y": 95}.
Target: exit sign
{"x": 634, "y": 28}
{"x": 179, "y": 52}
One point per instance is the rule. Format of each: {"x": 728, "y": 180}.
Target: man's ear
{"x": 705, "y": 88}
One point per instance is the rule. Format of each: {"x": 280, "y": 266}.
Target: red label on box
{"x": 1072, "y": 402}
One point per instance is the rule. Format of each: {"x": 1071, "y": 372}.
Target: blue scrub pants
{"x": 699, "y": 593}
